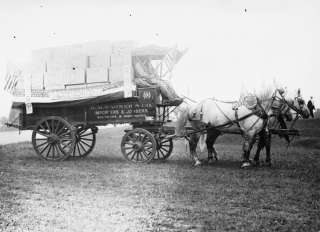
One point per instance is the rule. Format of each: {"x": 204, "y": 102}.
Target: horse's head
{"x": 279, "y": 107}
{"x": 293, "y": 105}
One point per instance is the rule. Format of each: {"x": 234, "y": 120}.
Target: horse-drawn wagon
{"x": 65, "y": 121}
{"x": 68, "y": 129}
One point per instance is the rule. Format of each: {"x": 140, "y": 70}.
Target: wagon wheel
{"x": 138, "y": 146}
{"x": 164, "y": 148}
{"x": 85, "y": 139}
{"x": 53, "y": 138}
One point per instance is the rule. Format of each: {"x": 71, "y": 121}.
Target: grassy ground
{"x": 106, "y": 193}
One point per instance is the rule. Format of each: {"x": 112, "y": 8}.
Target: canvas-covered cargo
{"x": 89, "y": 70}
{"x": 97, "y": 74}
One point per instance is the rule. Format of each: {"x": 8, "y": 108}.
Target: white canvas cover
{"x": 72, "y": 72}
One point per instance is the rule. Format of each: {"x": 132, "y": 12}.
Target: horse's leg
{"x": 261, "y": 145}
{"x": 193, "y": 142}
{"x": 247, "y": 146}
{"x": 212, "y": 136}
{"x": 210, "y": 149}
{"x": 283, "y": 125}
{"x": 268, "y": 147}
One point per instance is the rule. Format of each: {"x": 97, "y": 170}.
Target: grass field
{"x": 106, "y": 193}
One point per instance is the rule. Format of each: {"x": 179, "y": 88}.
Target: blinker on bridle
{"x": 290, "y": 105}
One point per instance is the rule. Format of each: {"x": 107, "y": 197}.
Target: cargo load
{"x": 93, "y": 69}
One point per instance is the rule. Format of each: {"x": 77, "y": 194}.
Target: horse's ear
{"x": 281, "y": 91}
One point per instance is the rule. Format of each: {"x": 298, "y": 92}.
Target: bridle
{"x": 286, "y": 103}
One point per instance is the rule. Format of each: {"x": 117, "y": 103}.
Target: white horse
{"x": 251, "y": 115}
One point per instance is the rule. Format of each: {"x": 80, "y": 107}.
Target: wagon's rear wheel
{"x": 85, "y": 139}
{"x": 138, "y": 146}
{"x": 164, "y": 148}
{"x": 53, "y": 138}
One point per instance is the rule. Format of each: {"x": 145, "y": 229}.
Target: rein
{"x": 290, "y": 105}
{"x": 259, "y": 111}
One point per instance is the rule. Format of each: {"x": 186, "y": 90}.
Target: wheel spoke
{"x": 133, "y": 138}
{"x": 66, "y": 139}
{"x": 47, "y": 124}
{"x": 85, "y": 143}
{"x": 43, "y": 134}
{"x": 163, "y": 155}
{"x": 82, "y": 131}
{"x": 52, "y": 126}
{"x": 65, "y": 145}
{"x": 148, "y": 154}
{"x": 138, "y": 156}
{"x": 165, "y": 145}
{"x": 58, "y": 150}
{"x": 77, "y": 145}
{"x": 130, "y": 152}
{"x": 64, "y": 134}
{"x": 44, "y": 148}
{"x": 86, "y": 134}
{"x": 49, "y": 150}
{"x": 59, "y": 128}
{"x": 145, "y": 154}
{"x": 86, "y": 139}
{"x": 144, "y": 138}
{"x": 147, "y": 142}
{"x": 134, "y": 154}
{"x": 129, "y": 143}
{"x": 164, "y": 149}
{"x": 41, "y": 144}
{"x": 53, "y": 151}
{"x": 148, "y": 147}
{"x": 158, "y": 155}
{"x": 82, "y": 147}
{"x": 43, "y": 128}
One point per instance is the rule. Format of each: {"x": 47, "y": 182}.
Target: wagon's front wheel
{"x": 164, "y": 148}
{"x": 138, "y": 146}
{"x": 85, "y": 141}
{"x": 53, "y": 138}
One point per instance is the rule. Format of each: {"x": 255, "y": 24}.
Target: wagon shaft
{"x": 292, "y": 132}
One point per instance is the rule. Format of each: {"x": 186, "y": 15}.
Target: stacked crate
{"x": 81, "y": 64}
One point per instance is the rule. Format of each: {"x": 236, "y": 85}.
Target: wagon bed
{"x": 68, "y": 129}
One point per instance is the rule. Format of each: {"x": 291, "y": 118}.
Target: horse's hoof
{"x": 211, "y": 161}
{"x": 197, "y": 163}
{"x": 246, "y": 165}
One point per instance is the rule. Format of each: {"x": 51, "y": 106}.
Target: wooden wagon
{"x": 68, "y": 129}
{"x": 69, "y": 91}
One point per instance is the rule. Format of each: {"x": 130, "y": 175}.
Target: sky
{"x": 234, "y": 46}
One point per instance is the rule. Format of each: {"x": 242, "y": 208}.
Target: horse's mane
{"x": 262, "y": 95}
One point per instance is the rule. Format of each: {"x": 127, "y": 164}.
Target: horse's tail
{"x": 202, "y": 141}
{"x": 181, "y": 121}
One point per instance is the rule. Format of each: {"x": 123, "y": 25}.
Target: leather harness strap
{"x": 229, "y": 119}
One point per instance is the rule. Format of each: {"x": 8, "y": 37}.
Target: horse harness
{"x": 257, "y": 110}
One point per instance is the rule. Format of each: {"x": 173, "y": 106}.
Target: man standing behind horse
{"x": 311, "y": 106}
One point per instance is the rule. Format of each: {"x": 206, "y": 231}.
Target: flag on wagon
{"x": 11, "y": 81}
